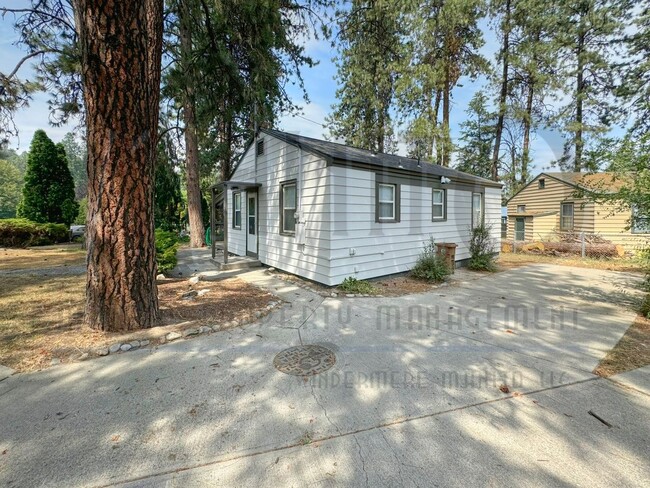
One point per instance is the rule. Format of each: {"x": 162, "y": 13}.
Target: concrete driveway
{"x": 415, "y": 397}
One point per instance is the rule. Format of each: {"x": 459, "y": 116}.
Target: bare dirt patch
{"x": 631, "y": 352}
{"x": 41, "y": 317}
{"x": 402, "y": 285}
{"x": 34, "y": 258}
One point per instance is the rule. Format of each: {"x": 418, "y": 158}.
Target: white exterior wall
{"x": 493, "y": 215}
{"x": 279, "y": 163}
{"x": 338, "y": 205}
{"x": 385, "y": 248}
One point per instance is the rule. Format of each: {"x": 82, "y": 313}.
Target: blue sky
{"x": 319, "y": 82}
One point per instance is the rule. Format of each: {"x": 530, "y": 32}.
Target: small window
{"x": 566, "y": 217}
{"x": 439, "y": 203}
{"x": 288, "y": 207}
{"x": 386, "y": 202}
{"x": 640, "y": 223}
{"x": 236, "y": 210}
{"x": 541, "y": 183}
{"x": 260, "y": 147}
{"x": 521, "y": 208}
{"x": 477, "y": 209}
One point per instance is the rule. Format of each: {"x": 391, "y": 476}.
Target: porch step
{"x": 236, "y": 263}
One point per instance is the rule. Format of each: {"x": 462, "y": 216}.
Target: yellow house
{"x": 555, "y": 203}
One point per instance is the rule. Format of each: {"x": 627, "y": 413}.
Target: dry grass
{"x": 515, "y": 260}
{"x": 41, "y": 317}
{"x": 631, "y": 352}
{"x": 61, "y": 255}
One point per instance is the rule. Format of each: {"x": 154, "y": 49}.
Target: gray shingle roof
{"x": 343, "y": 153}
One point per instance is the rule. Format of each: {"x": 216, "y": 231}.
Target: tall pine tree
{"x": 368, "y": 67}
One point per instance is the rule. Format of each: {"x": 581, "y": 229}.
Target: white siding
{"x": 384, "y": 248}
{"x": 279, "y": 163}
{"x": 338, "y": 204}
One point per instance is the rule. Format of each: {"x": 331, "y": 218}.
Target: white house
{"x": 326, "y": 211}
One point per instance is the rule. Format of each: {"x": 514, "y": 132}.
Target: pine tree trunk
{"x": 527, "y": 122}
{"x": 194, "y": 209}
{"x": 503, "y": 95}
{"x": 120, "y": 68}
{"x": 446, "y": 106}
{"x": 436, "y": 138}
{"x": 580, "y": 88}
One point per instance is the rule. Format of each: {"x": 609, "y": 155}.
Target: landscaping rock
{"x": 204, "y": 329}
{"x": 55, "y": 361}
{"x": 350, "y": 295}
{"x": 172, "y": 336}
{"x": 189, "y": 295}
{"x": 194, "y": 280}
{"x": 114, "y": 348}
{"x": 83, "y": 356}
{"x": 135, "y": 344}
{"x": 125, "y": 347}
{"x": 144, "y": 343}
{"x": 103, "y": 351}
{"x": 334, "y": 295}
{"x": 190, "y": 332}
{"x": 161, "y": 277}
{"x": 271, "y": 270}
{"x": 200, "y": 293}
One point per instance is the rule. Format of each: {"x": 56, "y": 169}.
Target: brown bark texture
{"x": 194, "y": 210}
{"x": 121, "y": 45}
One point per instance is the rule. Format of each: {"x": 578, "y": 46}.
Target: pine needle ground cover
{"x": 41, "y": 312}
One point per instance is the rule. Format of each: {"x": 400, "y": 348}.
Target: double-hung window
{"x": 288, "y": 206}
{"x": 477, "y": 210}
{"x": 640, "y": 222}
{"x": 387, "y": 202}
{"x": 438, "y": 205}
{"x": 236, "y": 210}
{"x": 566, "y": 216}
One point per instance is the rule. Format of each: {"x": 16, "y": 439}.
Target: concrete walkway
{"x": 415, "y": 397}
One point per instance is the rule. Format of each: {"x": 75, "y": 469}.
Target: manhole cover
{"x": 304, "y": 360}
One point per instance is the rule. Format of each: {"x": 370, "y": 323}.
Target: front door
{"x": 520, "y": 229}
{"x": 251, "y": 225}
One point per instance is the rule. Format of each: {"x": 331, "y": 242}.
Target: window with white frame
{"x": 236, "y": 210}
{"x": 387, "y": 209}
{"x": 640, "y": 222}
{"x": 566, "y": 216}
{"x": 477, "y": 209}
{"x": 439, "y": 202}
{"x": 288, "y": 205}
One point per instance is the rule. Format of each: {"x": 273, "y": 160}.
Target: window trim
{"x": 396, "y": 201}
{"x": 520, "y": 207}
{"x": 474, "y": 225}
{"x": 573, "y": 217}
{"x": 283, "y": 184}
{"x": 541, "y": 183}
{"x": 444, "y": 205}
{"x": 236, "y": 194}
{"x": 645, "y": 222}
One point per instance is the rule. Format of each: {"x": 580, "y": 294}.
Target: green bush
{"x": 166, "y": 248}
{"x": 430, "y": 266}
{"x": 24, "y": 233}
{"x": 353, "y": 285}
{"x": 481, "y": 249}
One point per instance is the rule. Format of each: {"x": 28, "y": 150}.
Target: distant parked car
{"x": 77, "y": 231}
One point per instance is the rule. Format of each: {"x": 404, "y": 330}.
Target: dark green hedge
{"x": 166, "y": 248}
{"x": 24, "y": 233}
